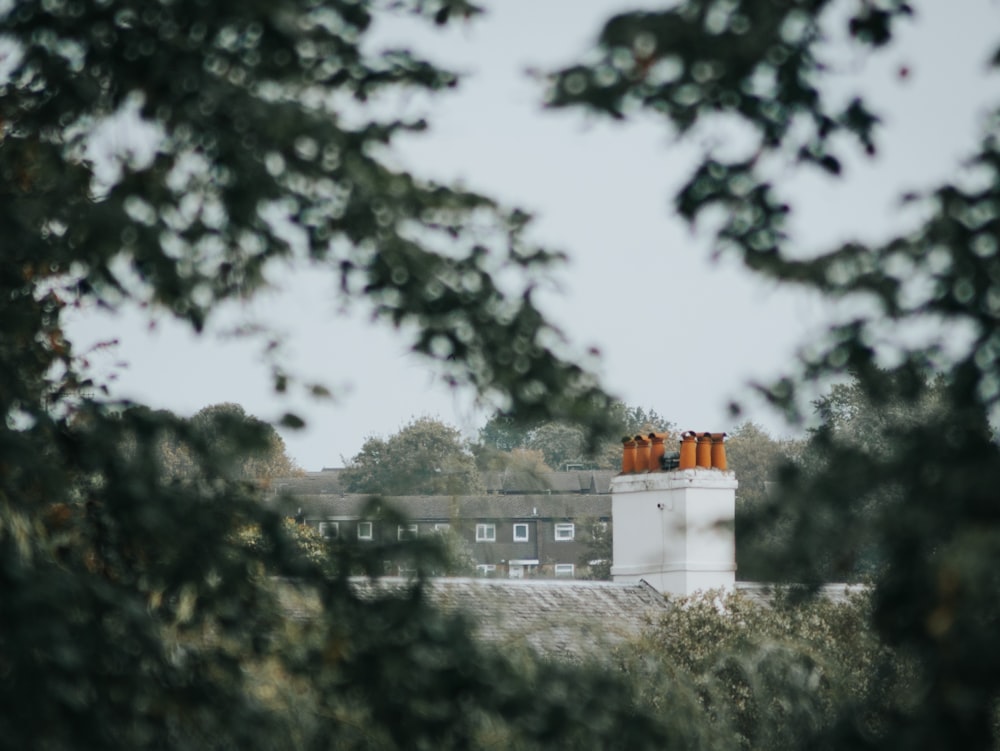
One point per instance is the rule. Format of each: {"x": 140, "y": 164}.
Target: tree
{"x": 502, "y": 432}
{"x": 559, "y": 443}
{"x": 757, "y": 457}
{"x": 867, "y": 413}
{"x": 598, "y": 540}
{"x": 524, "y": 461}
{"x": 632, "y": 420}
{"x": 858, "y": 422}
{"x": 244, "y": 447}
{"x": 564, "y": 443}
{"x": 760, "y": 64}
{"x": 762, "y": 676}
{"x": 759, "y": 461}
{"x": 426, "y": 457}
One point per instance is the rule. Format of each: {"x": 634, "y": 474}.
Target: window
{"x": 365, "y": 531}
{"x": 486, "y": 532}
{"x": 564, "y": 569}
{"x": 564, "y": 532}
{"x": 520, "y": 533}
{"x": 485, "y": 569}
{"x": 442, "y": 527}
{"x": 329, "y": 529}
{"x": 406, "y": 531}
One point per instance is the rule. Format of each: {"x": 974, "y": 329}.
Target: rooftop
{"x": 566, "y": 618}
{"x": 437, "y": 507}
{"x": 583, "y": 481}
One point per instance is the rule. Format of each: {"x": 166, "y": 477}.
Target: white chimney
{"x": 674, "y": 529}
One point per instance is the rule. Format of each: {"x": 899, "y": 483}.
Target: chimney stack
{"x": 674, "y": 529}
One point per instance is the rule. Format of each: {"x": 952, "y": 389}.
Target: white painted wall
{"x": 675, "y": 529}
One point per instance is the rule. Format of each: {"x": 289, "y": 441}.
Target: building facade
{"x": 546, "y": 535}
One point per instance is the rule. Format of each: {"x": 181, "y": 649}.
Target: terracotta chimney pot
{"x": 687, "y": 458}
{"x": 704, "y": 455}
{"x": 719, "y": 451}
{"x": 641, "y": 454}
{"x": 656, "y": 451}
{"x": 628, "y": 456}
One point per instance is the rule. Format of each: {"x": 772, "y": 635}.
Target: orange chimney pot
{"x": 719, "y": 451}
{"x": 641, "y": 454}
{"x": 628, "y": 456}
{"x": 687, "y": 458}
{"x": 704, "y": 455}
{"x": 656, "y": 450}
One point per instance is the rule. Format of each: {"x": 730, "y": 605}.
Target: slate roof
{"x": 571, "y": 618}
{"x": 449, "y": 507}
{"x": 572, "y": 481}
{"x": 326, "y": 482}
{"x": 575, "y": 619}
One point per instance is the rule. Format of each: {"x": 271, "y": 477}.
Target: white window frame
{"x": 485, "y": 569}
{"x": 406, "y": 532}
{"x": 329, "y": 529}
{"x": 366, "y": 531}
{"x": 564, "y": 531}
{"x": 565, "y": 570}
{"x": 523, "y": 528}
{"x": 442, "y": 527}
{"x": 486, "y": 533}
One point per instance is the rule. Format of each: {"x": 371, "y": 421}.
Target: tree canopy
{"x": 757, "y": 458}
{"x": 763, "y": 676}
{"x": 759, "y": 461}
{"x": 426, "y": 457}
{"x": 562, "y": 444}
{"x": 243, "y": 446}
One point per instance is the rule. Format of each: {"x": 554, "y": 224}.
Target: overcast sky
{"x": 677, "y": 332}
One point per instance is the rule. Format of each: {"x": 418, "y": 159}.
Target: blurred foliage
{"x": 934, "y": 539}
{"x": 855, "y": 423}
{"x": 167, "y": 156}
{"x": 426, "y": 457}
{"x": 171, "y": 154}
{"x": 759, "y": 459}
{"x": 870, "y": 414}
{"x": 142, "y": 609}
{"x": 307, "y": 541}
{"x": 241, "y": 446}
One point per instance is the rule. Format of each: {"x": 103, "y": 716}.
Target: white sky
{"x": 677, "y": 332}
